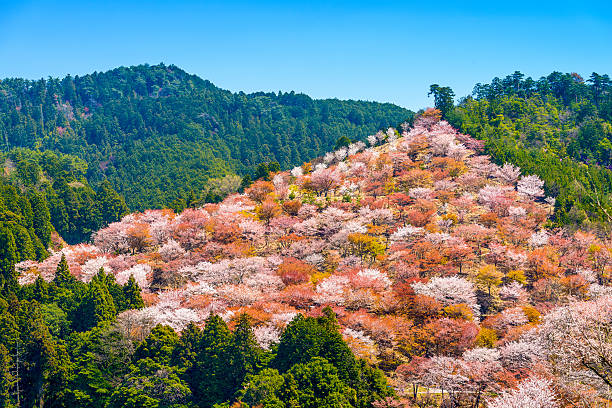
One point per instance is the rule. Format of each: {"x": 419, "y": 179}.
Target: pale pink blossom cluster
{"x": 531, "y": 393}
{"x": 450, "y": 290}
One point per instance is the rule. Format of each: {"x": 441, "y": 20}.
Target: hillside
{"x": 435, "y": 260}
{"x": 558, "y": 127}
{"x": 45, "y": 195}
{"x": 158, "y": 133}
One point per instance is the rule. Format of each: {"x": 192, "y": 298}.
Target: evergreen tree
{"x": 306, "y": 338}
{"x": 45, "y": 363}
{"x": 186, "y": 351}
{"x": 159, "y": 345}
{"x": 245, "y": 352}
{"x": 262, "y": 172}
{"x": 41, "y": 218}
{"x": 132, "y": 295}
{"x": 6, "y": 378}
{"x": 8, "y": 258}
{"x": 96, "y": 307}
{"x": 443, "y": 98}
{"x": 41, "y": 290}
{"x": 63, "y": 278}
{"x": 210, "y": 376}
{"x": 110, "y": 205}
{"x": 342, "y": 141}
{"x": 23, "y": 243}
{"x": 246, "y": 182}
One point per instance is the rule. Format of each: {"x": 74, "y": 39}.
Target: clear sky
{"x": 389, "y": 51}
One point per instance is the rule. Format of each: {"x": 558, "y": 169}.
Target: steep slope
{"x": 158, "y": 133}
{"x": 436, "y": 261}
{"x": 558, "y": 127}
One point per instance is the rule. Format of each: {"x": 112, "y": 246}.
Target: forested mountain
{"x": 416, "y": 256}
{"x": 558, "y": 127}
{"x": 157, "y": 133}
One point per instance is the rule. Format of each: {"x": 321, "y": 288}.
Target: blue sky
{"x": 387, "y": 51}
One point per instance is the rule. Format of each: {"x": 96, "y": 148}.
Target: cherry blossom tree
{"x": 450, "y": 290}
{"x": 531, "y": 393}
{"x": 530, "y": 186}
{"x": 171, "y": 250}
{"x": 508, "y": 173}
{"x": 324, "y": 180}
{"x": 578, "y": 340}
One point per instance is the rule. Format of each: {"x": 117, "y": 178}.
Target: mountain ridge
{"x": 180, "y": 129}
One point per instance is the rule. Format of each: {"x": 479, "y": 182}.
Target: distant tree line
{"x": 158, "y": 134}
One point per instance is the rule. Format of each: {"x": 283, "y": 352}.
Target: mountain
{"x": 158, "y": 133}
{"x": 418, "y": 254}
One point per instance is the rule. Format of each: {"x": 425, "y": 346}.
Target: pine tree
{"x": 185, "y": 352}
{"x": 97, "y": 305}
{"x": 110, "y": 205}
{"x": 245, "y": 352}
{"x": 23, "y": 243}
{"x": 63, "y": 278}
{"x": 115, "y": 290}
{"x": 159, "y": 345}
{"x": 209, "y": 376}
{"x": 41, "y": 218}
{"x": 46, "y": 365}
{"x": 41, "y": 290}
{"x": 306, "y": 338}
{"x": 132, "y": 295}
{"x": 8, "y": 258}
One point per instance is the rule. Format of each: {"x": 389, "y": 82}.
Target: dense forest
{"x": 558, "y": 127}
{"x": 60, "y": 347}
{"x": 409, "y": 272}
{"x": 42, "y": 193}
{"x": 157, "y": 133}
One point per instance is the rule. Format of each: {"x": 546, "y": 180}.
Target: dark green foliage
{"x": 45, "y": 363}
{"x": 262, "y": 172}
{"x": 244, "y": 350}
{"x": 7, "y": 380}
{"x": 307, "y": 338}
{"x": 101, "y": 367}
{"x": 559, "y": 128}
{"x": 246, "y": 182}
{"x": 210, "y": 376}
{"x": 157, "y": 132}
{"x": 342, "y": 141}
{"x": 317, "y": 385}
{"x": 184, "y": 355}
{"x": 159, "y": 345}
{"x": 97, "y": 305}
{"x": 63, "y": 278}
{"x": 59, "y": 198}
{"x": 132, "y": 298}
{"x": 151, "y": 384}
{"x": 8, "y": 258}
{"x": 55, "y": 319}
{"x": 41, "y": 218}
{"x": 265, "y": 388}
{"x": 444, "y": 98}
{"x": 103, "y": 357}
{"x": 109, "y": 204}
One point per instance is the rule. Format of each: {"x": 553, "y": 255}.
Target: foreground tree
{"x": 531, "y": 393}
